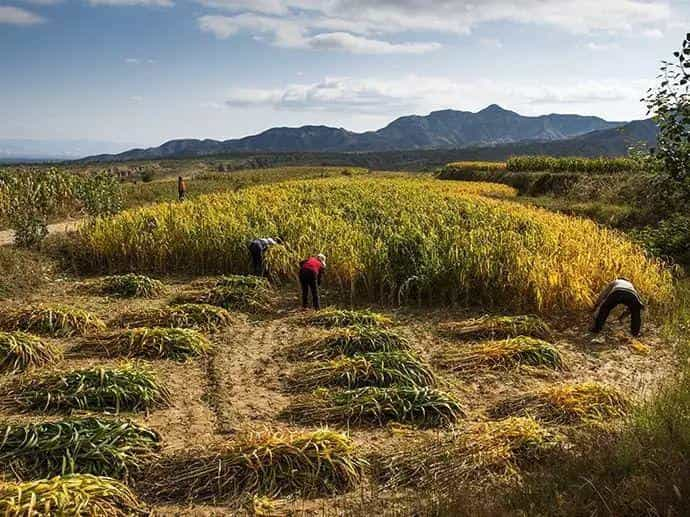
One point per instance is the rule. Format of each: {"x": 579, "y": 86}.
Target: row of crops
{"x": 556, "y": 164}
{"x": 390, "y": 241}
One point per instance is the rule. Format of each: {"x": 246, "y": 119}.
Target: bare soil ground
{"x": 240, "y": 386}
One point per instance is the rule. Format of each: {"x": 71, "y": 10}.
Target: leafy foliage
{"x": 86, "y": 446}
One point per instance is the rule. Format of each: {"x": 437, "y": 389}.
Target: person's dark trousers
{"x": 309, "y": 281}
{"x": 257, "y": 258}
{"x": 620, "y": 298}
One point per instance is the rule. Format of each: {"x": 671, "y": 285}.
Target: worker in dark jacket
{"x": 310, "y": 274}
{"x": 181, "y": 188}
{"x": 619, "y": 292}
{"x": 257, "y": 249}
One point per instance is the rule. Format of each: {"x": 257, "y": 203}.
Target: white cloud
{"x": 142, "y": 3}
{"x": 138, "y": 99}
{"x": 18, "y": 16}
{"x": 422, "y": 94}
{"x": 601, "y": 47}
{"x": 138, "y": 61}
{"x": 292, "y": 35}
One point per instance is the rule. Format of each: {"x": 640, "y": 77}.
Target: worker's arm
{"x": 320, "y": 275}
{"x": 603, "y": 295}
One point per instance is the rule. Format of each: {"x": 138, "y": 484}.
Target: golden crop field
{"x": 386, "y": 240}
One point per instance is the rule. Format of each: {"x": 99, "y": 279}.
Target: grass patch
{"x": 381, "y": 369}
{"x": 351, "y": 341}
{"x": 77, "y": 494}
{"x": 567, "y": 404}
{"x": 20, "y": 351}
{"x": 273, "y": 464}
{"x": 422, "y": 406}
{"x": 506, "y": 353}
{"x": 332, "y": 317}
{"x": 156, "y": 343}
{"x": 480, "y": 453}
{"x": 498, "y": 327}
{"x": 52, "y": 320}
{"x": 23, "y": 270}
{"x": 86, "y": 446}
{"x": 236, "y": 292}
{"x": 131, "y": 286}
{"x": 187, "y": 315}
{"x": 129, "y": 387}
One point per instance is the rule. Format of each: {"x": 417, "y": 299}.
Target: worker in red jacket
{"x": 310, "y": 273}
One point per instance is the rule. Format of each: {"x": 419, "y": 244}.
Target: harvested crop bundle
{"x": 20, "y": 351}
{"x": 131, "y": 286}
{"x": 156, "y": 343}
{"x": 187, "y": 315}
{"x": 237, "y": 292}
{"x": 426, "y": 407}
{"x": 498, "y": 327}
{"x": 381, "y": 369}
{"x": 87, "y": 446}
{"x": 502, "y": 354}
{"x": 331, "y": 317}
{"x": 76, "y": 494}
{"x": 129, "y": 387}
{"x": 321, "y": 462}
{"x": 53, "y": 320}
{"x": 356, "y": 339}
{"x": 567, "y": 403}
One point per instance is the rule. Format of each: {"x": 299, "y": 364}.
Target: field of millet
{"x": 213, "y": 395}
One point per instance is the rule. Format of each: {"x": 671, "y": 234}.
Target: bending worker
{"x": 310, "y": 273}
{"x": 619, "y": 292}
{"x": 257, "y": 249}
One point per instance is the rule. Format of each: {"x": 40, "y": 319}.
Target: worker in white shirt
{"x": 619, "y": 292}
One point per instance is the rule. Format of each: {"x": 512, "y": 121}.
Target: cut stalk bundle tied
{"x": 498, "y": 327}
{"x": 476, "y": 453}
{"x": 131, "y": 286}
{"x": 381, "y": 369}
{"x": 502, "y": 354}
{"x": 88, "y": 446}
{"x": 242, "y": 293}
{"x": 567, "y": 404}
{"x": 130, "y": 387}
{"x": 332, "y": 317}
{"x": 422, "y": 406}
{"x": 357, "y": 339}
{"x": 388, "y": 240}
{"x": 322, "y": 462}
{"x": 53, "y": 320}
{"x": 20, "y": 351}
{"x": 77, "y": 494}
{"x": 156, "y": 343}
{"x": 187, "y": 315}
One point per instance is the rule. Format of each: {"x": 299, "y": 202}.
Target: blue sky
{"x": 145, "y": 71}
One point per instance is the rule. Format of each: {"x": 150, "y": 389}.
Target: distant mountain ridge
{"x": 446, "y": 129}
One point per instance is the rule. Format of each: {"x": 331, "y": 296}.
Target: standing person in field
{"x": 310, "y": 274}
{"x": 619, "y": 292}
{"x": 257, "y": 249}
{"x": 181, "y": 188}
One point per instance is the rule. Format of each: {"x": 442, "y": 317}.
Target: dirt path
{"x": 7, "y": 236}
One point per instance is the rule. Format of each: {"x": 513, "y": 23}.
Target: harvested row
{"x": 422, "y": 406}
{"x": 273, "y": 464}
{"x": 501, "y": 354}
{"x": 131, "y": 286}
{"x": 350, "y": 341}
{"x": 341, "y": 318}
{"x": 477, "y": 453}
{"x": 434, "y": 243}
{"x": 188, "y": 315}
{"x": 20, "y": 351}
{"x": 111, "y": 448}
{"x": 51, "y": 320}
{"x": 567, "y": 404}
{"x": 497, "y": 327}
{"x": 130, "y": 387}
{"x": 155, "y": 343}
{"x": 239, "y": 292}
{"x": 383, "y": 369}
{"x": 77, "y": 494}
